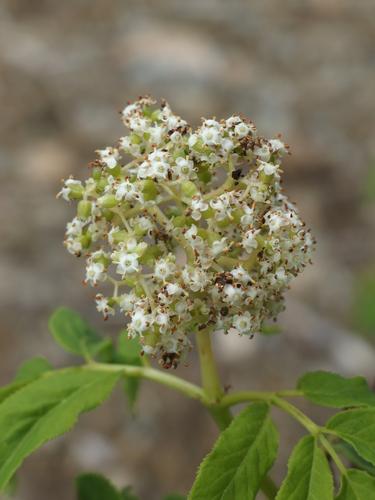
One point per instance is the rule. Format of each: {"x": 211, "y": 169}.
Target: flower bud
{"x": 149, "y": 189}
{"x": 107, "y": 201}
{"x": 189, "y": 189}
{"x": 84, "y": 209}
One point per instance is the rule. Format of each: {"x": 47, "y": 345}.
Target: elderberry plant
{"x": 187, "y": 233}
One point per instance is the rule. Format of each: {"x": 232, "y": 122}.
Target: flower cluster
{"x": 190, "y": 228}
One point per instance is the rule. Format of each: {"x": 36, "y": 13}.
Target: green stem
{"x": 215, "y": 394}
{"x": 177, "y": 383}
{"x": 276, "y": 400}
{"x": 330, "y": 449}
{"x": 297, "y": 414}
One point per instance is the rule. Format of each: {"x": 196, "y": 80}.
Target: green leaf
{"x": 44, "y": 409}
{"x": 129, "y": 353}
{"x": 240, "y": 459}
{"x": 96, "y": 487}
{"x": 175, "y": 496}
{"x": 309, "y": 476}
{"x": 333, "y": 390}
{"x": 75, "y": 335}
{"x": 357, "y": 427}
{"x": 349, "y": 452}
{"x": 27, "y": 372}
{"x": 32, "y": 369}
{"x": 357, "y": 485}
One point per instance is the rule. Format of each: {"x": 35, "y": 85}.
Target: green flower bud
{"x": 135, "y": 139}
{"x": 107, "y": 201}
{"x": 119, "y": 237}
{"x": 149, "y": 189}
{"x": 188, "y": 189}
{"x": 96, "y": 173}
{"x": 84, "y": 209}
{"x": 85, "y": 240}
{"x": 76, "y": 192}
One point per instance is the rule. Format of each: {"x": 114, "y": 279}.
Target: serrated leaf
{"x": 28, "y": 371}
{"x": 333, "y": 390}
{"x": 75, "y": 335}
{"x": 129, "y": 353}
{"x": 309, "y": 476}
{"x": 357, "y": 485}
{"x": 357, "y": 427}
{"x": 96, "y": 487}
{"x": 240, "y": 459}
{"x": 44, "y": 409}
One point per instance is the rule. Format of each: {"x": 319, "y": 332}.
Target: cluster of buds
{"x": 190, "y": 228}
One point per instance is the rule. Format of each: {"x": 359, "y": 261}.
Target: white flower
{"x": 73, "y": 246}
{"x": 198, "y": 206}
{"x": 139, "y": 321}
{"x": 126, "y": 190}
{"x": 162, "y": 320}
{"x": 210, "y": 136}
{"x": 69, "y": 184}
{"x": 129, "y": 110}
{"x": 242, "y": 323}
{"x": 127, "y": 263}
{"x": 160, "y": 169}
{"x": 173, "y": 289}
{"x": 156, "y": 134}
{"x": 263, "y": 152}
{"x": 184, "y": 167}
{"x": 163, "y": 269}
{"x": 192, "y": 140}
{"x": 195, "y": 278}
{"x": 218, "y": 246}
{"x": 102, "y": 305}
{"x": 277, "y": 146}
{"x": 248, "y": 217}
{"x": 275, "y": 221}
{"x": 95, "y": 272}
{"x": 74, "y": 228}
{"x": 109, "y": 156}
{"x": 239, "y": 274}
{"x": 268, "y": 168}
{"x": 241, "y": 130}
{"x": 232, "y": 294}
{"x": 127, "y": 301}
{"x": 250, "y": 242}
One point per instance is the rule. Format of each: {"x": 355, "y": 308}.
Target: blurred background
{"x": 302, "y": 68}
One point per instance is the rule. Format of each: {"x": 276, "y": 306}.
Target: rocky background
{"x": 303, "y": 68}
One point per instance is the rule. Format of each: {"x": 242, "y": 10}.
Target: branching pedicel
{"x": 190, "y": 226}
